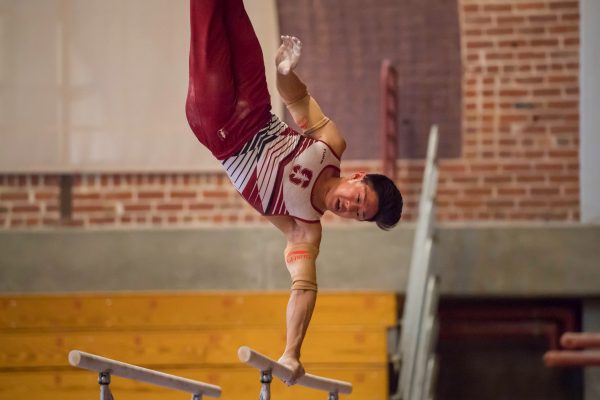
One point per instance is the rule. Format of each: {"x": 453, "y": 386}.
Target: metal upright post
{"x": 415, "y": 350}
{"x": 197, "y": 396}
{"x": 333, "y": 396}
{"x": 104, "y": 381}
{"x": 265, "y": 379}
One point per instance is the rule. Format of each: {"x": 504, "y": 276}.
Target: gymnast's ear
{"x": 358, "y": 176}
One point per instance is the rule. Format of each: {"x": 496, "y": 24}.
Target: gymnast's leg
{"x": 211, "y": 91}
{"x": 228, "y": 101}
{"x": 248, "y": 63}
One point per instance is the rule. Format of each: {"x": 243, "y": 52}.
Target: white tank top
{"x": 277, "y": 169}
{"x": 302, "y": 173}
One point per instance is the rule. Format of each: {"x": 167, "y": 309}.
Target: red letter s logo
{"x": 301, "y": 176}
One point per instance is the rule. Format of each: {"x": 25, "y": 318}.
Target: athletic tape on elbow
{"x": 307, "y": 114}
{"x": 300, "y": 260}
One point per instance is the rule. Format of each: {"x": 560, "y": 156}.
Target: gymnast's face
{"x": 352, "y": 198}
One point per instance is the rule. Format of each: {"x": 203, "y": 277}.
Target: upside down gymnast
{"x": 289, "y": 177}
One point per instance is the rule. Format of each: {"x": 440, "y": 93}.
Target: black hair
{"x": 390, "y": 201}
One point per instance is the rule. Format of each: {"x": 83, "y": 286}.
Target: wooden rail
{"x": 99, "y": 364}
{"x": 580, "y": 340}
{"x": 264, "y": 363}
{"x": 574, "y": 357}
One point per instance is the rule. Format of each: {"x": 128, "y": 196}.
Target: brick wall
{"x": 519, "y": 161}
{"x": 28, "y": 201}
{"x": 520, "y": 156}
{"x": 341, "y": 63}
{"x": 123, "y": 200}
{"x": 126, "y": 200}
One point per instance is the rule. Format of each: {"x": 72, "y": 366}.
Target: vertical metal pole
{"x": 104, "y": 381}
{"x": 388, "y": 87}
{"x": 197, "y": 396}
{"x": 333, "y": 396}
{"x": 265, "y": 380}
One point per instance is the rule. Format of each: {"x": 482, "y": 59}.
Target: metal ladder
{"x": 414, "y": 357}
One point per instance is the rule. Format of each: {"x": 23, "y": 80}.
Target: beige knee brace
{"x": 301, "y": 259}
{"x": 307, "y": 114}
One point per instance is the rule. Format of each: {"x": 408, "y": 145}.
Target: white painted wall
{"x": 590, "y": 111}
{"x": 100, "y": 85}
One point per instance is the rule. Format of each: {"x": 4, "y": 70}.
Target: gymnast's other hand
{"x": 295, "y": 365}
{"x": 288, "y": 54}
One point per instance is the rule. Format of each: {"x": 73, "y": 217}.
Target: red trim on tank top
{"x": 294, "y": 217}
{"x": 330, "y": 149}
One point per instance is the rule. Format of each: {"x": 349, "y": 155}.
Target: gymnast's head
{"x": 366, "y": 197}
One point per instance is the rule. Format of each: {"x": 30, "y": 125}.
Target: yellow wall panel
{"x": 237, "y": 383}
{"x": 217, "y": 346}
{"x": 194, "y": 335}
{"x": 116, "y": 310}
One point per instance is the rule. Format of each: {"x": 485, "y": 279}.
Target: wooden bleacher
{"x": 194, "y": 335}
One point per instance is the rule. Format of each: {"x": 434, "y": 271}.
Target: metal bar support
{"x": 266, "y": 377}
{"x": 104, "y": 381}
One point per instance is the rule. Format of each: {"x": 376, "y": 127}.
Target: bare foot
{"x": 288, "y": 54}
{"x": 295, "y": 365}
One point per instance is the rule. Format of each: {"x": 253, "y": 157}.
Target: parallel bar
{"x": 96, "y": 363}
{"x": 263, "y": 363}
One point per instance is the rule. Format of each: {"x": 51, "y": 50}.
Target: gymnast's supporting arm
{"x": 299, "y": 311}
{"x": 300, "y": 260}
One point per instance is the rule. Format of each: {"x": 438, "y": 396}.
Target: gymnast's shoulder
{"x": 330, "y": 134}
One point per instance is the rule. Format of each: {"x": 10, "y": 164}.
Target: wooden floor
{"x": 194, "y": 335}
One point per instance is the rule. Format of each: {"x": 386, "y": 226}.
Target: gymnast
{"x": 289, "y": 177}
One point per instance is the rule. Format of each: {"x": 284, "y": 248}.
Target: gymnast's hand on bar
{"x": 295, "y": 365}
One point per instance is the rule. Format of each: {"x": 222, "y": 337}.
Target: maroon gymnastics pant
{"x": 228, "y": 101}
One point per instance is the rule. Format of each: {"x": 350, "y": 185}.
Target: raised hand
{"x": 288, "y": 54}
